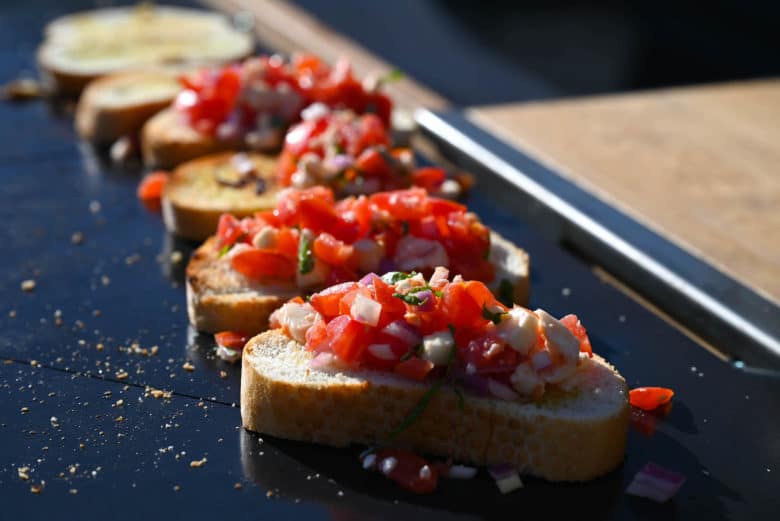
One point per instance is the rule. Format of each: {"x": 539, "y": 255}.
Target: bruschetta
{"x": 309, "y": 241}
{"x": 249, "y": 106}
{"x": 200, "y": 191}
{"x": 118, "y": 105}
{"x": 81, "y": 47}
{"x": 440, "y": 366}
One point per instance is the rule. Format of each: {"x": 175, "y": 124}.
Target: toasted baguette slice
{"x": 119, "y": 104}
{"x": 194, "y": 200}
{"x": 573, "y": 435}
{"x": 81, "y": 47}
{"x": 221, "y": 299}
{"x": 168, "y": 141}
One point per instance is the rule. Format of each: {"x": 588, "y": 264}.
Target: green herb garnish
{"x": 496, "y": 318}
{"x": 390, "y": 77}
{"x": 391, "y": 277}
{"x": 506, "y": 292}
{"x": 414, "y": 350}
{"x": 410, "y": 298}
{"x": 305, "y": 256}
{"x": 223, "y": 250}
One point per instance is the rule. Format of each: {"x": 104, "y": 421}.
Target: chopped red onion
{"x": 426, "y": 300}
{"x": 403, "y": 331}
{"x": 382, "y": 351}
{"x": 368, "y": 280}
{"x": 365, "y": 310}
{"x": 507, "y": 478}
{"x": 439, "y": 277}
{"x": 338, "y": 163}
{"x": 500, "y": 390}
{"x": 656, "y": 483}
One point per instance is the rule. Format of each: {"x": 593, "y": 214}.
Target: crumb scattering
{"x": 28, "y": 285}
{"x": 238, "y": 486}
{"x": 198, "y": 463}
{"x": 188, "y": 366}
{"x": 24, "y": 473}
{"x": 176, "y": 488}
{"x": 223, "y": 374}
{"x": 121, "y": 374}
{"x": 77, "y": 238}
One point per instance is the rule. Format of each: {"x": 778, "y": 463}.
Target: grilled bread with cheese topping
{"x": 574, "y": 434}
{"x": 119, "y": 104}
{"x": 221, "y": 299}
{"x": 200, "y": 191}
{"x": 81, "y": 47}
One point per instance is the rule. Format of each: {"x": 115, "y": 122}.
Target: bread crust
{"x": 168, "y": 141}
{"x": 218, "y": 299}
{"x": 103, "y": 122}
{"x": 131, "y": 26}
{"x": 295, "y": 403}
{"x": 193, "y": 200}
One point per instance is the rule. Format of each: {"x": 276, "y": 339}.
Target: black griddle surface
{"x": 119, "y": 287}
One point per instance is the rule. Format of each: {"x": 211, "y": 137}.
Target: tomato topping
{"x": 326, "y": 302}
{"x": 574, "y": 325}
{"x": 429, "y": 178}
{"x": 232, "y": 339}
{"x": 414, "y": 368}
{"x": 264, "y": 264}
{"x": 152, "y": 186}
{"x": 332, "y": 250}
{"x": 461, "y": 308}
{"x": 408, "y": 469}
{"x": 650, "y": 398}
{"x": 348, "y": 338}
{"x": 228, "y": 230}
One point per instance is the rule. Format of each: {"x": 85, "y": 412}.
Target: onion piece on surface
{"x": 656, "y": 483}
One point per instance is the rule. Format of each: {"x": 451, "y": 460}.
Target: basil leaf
{"x": 223, "y": 250}
{"x": 409, "y": 298}
{"x": 506, "y": 292}
{"x": 496, "y": 318}
{"x": 305, "y": 256}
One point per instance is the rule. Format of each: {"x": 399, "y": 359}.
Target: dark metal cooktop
{"x": 93, "y": 457}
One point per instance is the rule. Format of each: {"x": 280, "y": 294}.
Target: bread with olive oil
{"x": 200, "y": 191}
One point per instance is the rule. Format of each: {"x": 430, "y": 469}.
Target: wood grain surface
{"x": 699, "y": 165}
{"x": 286, "y": 28}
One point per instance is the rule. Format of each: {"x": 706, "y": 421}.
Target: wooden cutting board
{"x": 699, "y": 165}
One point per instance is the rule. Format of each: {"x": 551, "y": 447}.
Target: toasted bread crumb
{"x": 77, "y": 238}
{"x": 238, "y": 486}
{"x": 121, "y": 374}
{"x": 196, "y": 464}
{"x": 188, "y": 366}
{"x": 28, "y": 285}
{"x": 24, "y": 473}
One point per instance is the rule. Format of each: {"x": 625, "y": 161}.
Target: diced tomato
{"x": 461, "y": 308}
{"x": 286, "y": 167}
{"x": 380, "y": 105}
{"x": 326, "y": 302}
{"x": 486, "y": 361}
{"x": 408, "y": 470}
{"x": 316, "y": 215}
{"x": 345, "y": 305}
{"x": 650, "y": 398}
{"x": 482, "y": 295}
{"x": 232, "y": 339}
{"x": 317, "y": 336}
{"x": 348, "y": 338}
{"x": 414, "y": 368}
{"x": 228, "y": 230}
{"x": 152, "y": 186}
{"x": 397, "y": 348}
{"x": 404, "y": 204}
{"x": 574, "y": 325}
{"x": 264, "y": 264}
{"x": 392, "y": 308}
{"x": 444, "y": 208}
{"x": 371, "y": 163}
{"x": 287, "y": 242}
{"x": 331, "y": 250}
{"x": 429, "y": 177}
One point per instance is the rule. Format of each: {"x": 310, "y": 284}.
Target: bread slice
{"x": 83, "y": 46}
{"x": 194, "y": 200}
{"x": 573, "y": 435}
{"x": 119, "y": 104}
{"x": 221, "y": 299}
{"x": 167, "y": 140}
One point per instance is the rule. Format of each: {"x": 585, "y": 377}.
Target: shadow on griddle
{"x": 308, "y": 472}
